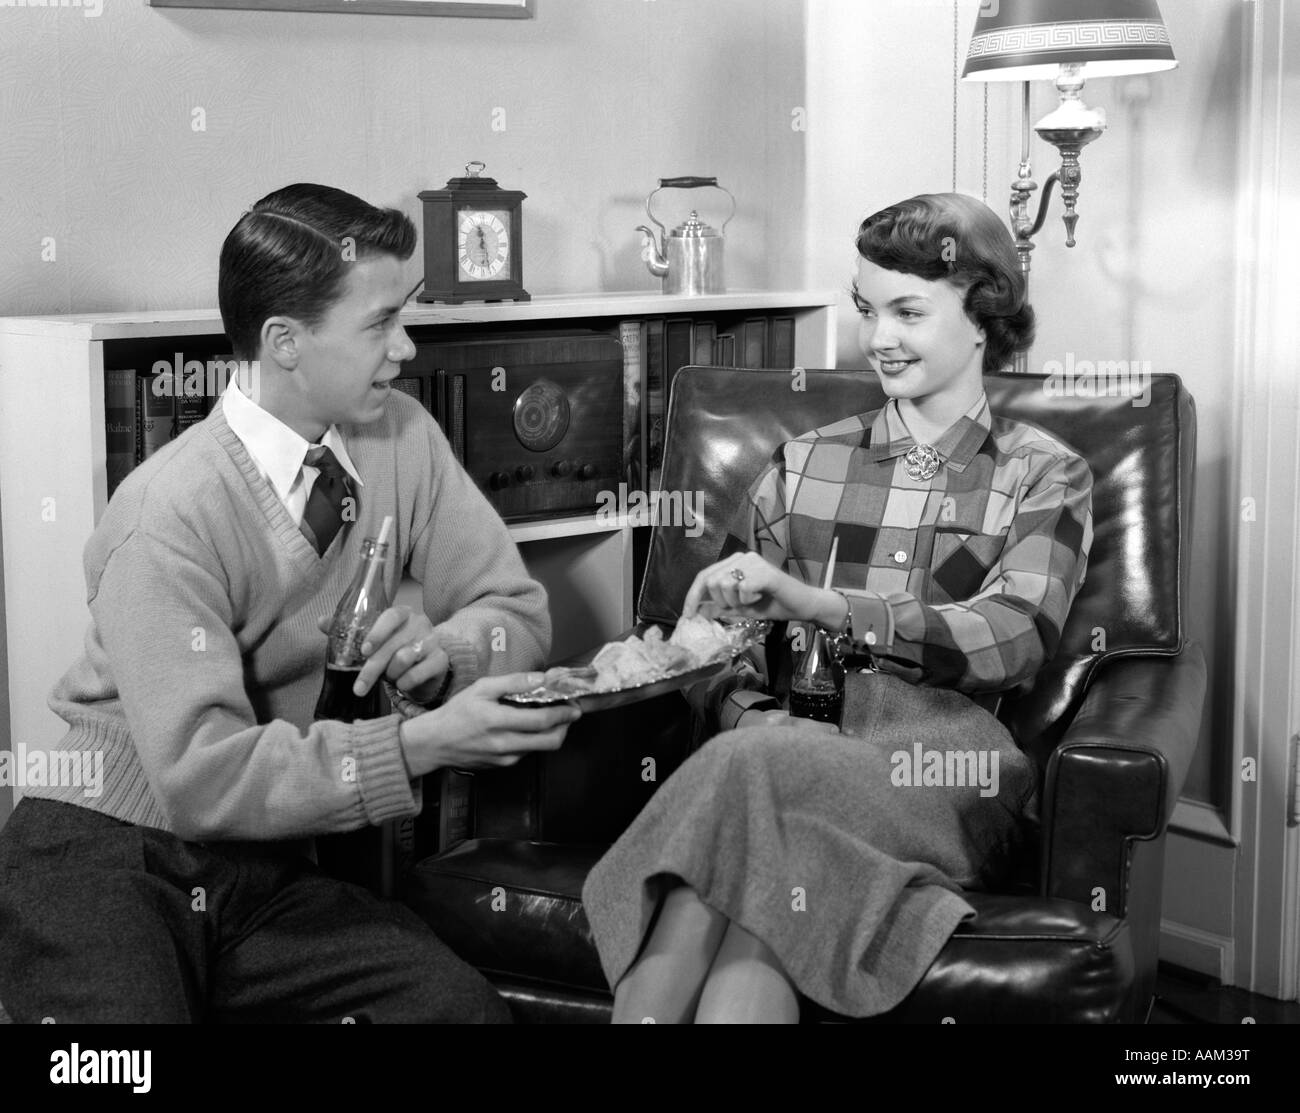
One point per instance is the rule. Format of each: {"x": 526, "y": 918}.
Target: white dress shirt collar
{"x": 276, "y": 449}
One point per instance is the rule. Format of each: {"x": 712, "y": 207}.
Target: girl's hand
{"x": 746, "y": 585}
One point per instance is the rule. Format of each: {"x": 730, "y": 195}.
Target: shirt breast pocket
{"x": 962, "y": 560}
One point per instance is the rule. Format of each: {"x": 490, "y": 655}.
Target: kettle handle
{"x": 686, "y": 183}
{"x": 690, "y": 182}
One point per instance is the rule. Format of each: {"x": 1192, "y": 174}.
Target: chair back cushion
{"x": 725, "y": 423}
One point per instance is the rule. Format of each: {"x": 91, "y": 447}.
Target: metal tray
{"x": 616, "y": 697}
{"x": 752, "y": 632}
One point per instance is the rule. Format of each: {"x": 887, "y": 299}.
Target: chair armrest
{"x": 1116, "y": 775}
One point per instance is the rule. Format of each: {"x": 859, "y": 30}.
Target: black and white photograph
{"x": 579, "y": 512}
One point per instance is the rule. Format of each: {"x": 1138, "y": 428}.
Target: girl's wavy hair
{"x": 956, "y": 238}
{"x": 289, "y": 255}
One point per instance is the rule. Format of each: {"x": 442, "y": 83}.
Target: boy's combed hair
{"x": 289, "y": 255}
{"x": 959, "y": 239}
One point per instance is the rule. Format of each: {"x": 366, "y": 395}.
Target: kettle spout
{"x": 654, "y": 258}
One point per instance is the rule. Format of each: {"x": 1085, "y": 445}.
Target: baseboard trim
{"x": 1194, "y": 949}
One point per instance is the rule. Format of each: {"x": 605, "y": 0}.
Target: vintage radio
{"x": 536, "y": 418}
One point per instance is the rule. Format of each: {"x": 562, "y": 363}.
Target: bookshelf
{"x": 54, "y": 486}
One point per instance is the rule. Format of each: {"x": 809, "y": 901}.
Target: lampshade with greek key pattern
{"x": 1029, "y": 40}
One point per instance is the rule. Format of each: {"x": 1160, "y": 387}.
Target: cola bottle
{"x": 374, "y": 857}
{"x": 817, "y": 686}
{"x": 364, "y": 601}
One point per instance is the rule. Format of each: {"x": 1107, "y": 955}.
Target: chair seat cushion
{"x": 514, "y": 910}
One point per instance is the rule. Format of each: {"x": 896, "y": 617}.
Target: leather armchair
{"x": 1111, "y": 722}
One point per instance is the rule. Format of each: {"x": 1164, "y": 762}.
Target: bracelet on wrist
{"x": 845, "y": 634}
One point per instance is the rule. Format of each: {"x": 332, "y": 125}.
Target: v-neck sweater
{"x": 203, "y": 659}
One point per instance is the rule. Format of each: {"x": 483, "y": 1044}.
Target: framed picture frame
{"x": 489, "y": 9}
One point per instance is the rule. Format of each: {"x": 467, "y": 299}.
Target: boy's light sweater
{"x": 203, "y": 660}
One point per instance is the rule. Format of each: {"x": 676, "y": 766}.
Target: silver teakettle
{"x": 690, "y": 260}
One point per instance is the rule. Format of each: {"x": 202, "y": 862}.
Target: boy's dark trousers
{"x": 103, "y": 921}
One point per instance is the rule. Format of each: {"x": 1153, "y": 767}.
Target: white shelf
{"x": 549, "y": 307}
{"x": 578, "y": 525}
{"x": 53, "y": 483}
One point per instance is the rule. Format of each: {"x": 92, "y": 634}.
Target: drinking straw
{"x": 830, "y": 564}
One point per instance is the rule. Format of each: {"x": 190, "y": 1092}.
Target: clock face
{"x": 483, "y": 245}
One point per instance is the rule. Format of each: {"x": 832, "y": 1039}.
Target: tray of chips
{"x": 640, "y": 668}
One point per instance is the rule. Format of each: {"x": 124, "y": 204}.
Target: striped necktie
{"x": 324, "y": 514}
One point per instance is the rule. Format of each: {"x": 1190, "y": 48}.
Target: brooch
{"x": 922, "y": 462}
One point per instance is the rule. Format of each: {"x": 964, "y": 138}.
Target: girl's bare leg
{"x": 746, "y": 985}
{"x": 664, "y": 983}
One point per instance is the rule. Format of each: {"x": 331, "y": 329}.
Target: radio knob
{"x": 524, "y": 472}
{"x": 587, "y": 471}
{"x": 561, "y": 468}
{"x": 499, "y": 481}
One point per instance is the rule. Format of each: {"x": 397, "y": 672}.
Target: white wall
{"x": 599, "y": 99}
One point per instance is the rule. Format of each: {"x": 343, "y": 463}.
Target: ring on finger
{"x": 417, "y": 649}
{"x": 737, "y": 575}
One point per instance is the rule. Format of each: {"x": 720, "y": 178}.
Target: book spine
{"x": 780, "y": 343}
{"x": 654, "y": 401}
{"x": 119, "y": 425}
{"x": 157, "y": 411}
{"x": 455, "y": 809}
{"x": 632, "y": 336}
{"x": 191, "y": 407}
{"x": 754, "y": 343}
{"x": 679, "y": 348}
{"x": 706, "y": 335}
{"x": 724, "y": 350}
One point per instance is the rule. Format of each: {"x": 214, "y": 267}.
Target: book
{"x": 724, "y": 350}
{"x": 455, "y": 809}
{"x": 679, "y": 350}
{"x": 654, "y": 399}
{"x": 706, "y": 335}
{"x": 119, "y": 425}
{"x": 188, "y": 409}
{"x": 632, "y": 335}
{"x": 753, "y": 343}
{"x": 155, "y": 413}
{"x": 780, "y": 343}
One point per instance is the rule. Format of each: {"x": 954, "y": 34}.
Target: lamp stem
{"x": 1021, "y": 224}
{"x": 1024, "y": 125}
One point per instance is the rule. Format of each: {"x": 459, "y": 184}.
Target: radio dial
{"x": 499, "y": 481}
{"x": 561, "y": 468}
{"x": 524, "y": 472}
{"x": 587, "y": 471}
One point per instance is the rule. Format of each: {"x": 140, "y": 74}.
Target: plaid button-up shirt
{"x": 962, "y": 581}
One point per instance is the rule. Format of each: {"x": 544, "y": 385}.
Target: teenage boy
{"x": 184, "y": 891}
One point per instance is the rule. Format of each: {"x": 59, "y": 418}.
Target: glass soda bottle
{"x": 357, "y": 611}
{"x": 817, "y": 687}
{"x": 373, "y": 857}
